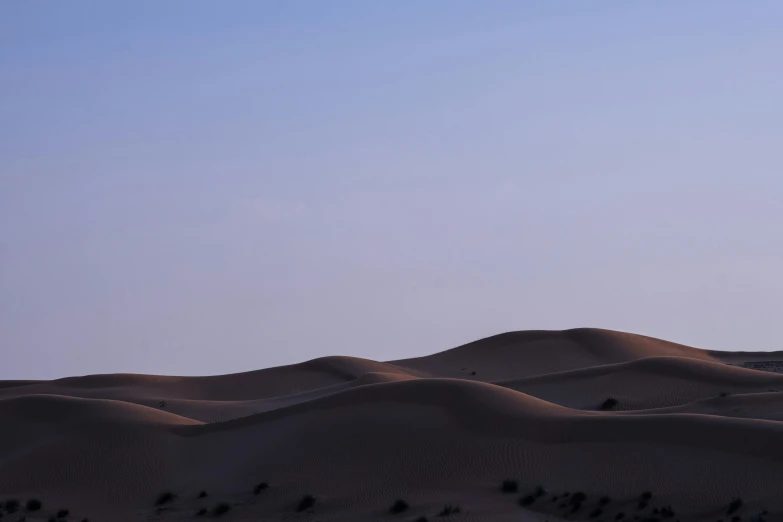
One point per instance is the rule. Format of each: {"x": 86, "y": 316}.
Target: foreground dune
{"x": 689, "y": 426}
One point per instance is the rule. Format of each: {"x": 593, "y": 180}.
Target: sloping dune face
{"x": 582, "y": 424}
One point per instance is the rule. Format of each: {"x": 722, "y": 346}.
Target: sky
{"x": 197, "y": 187}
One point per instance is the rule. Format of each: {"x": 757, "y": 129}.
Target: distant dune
{"x": 580, "y": 422}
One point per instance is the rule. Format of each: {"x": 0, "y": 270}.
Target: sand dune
{"x": 651, "y": 382}
{"x": 357, "y": 434}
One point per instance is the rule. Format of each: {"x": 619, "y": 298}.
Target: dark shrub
{"x": 165, "y": 498}
{"x": 63, "y": 513}
{"x": 576, "y": 501}
{"x": 734, "y": 506}
{"x": 221, "y": 509}
{"x": 646, "y": 495}
{"x": 619, "y": 516}
{"x": 421, "y": 519}
{"x": 724, "y": 394}
{"x": 509, "y": 486}
{"x": 12, "y": 506}
{"x": 261, "y": 486}
{"x": 609, "y": 404}
{"x": 202, "y": 494}
{"x": 33, "y": 504}
{"x": 201, "y": 512}
{"x": 398, "y": 507}
{"x": 449, "y": 509}
{"x": 527, "y": 500}
{"x": 539, "y": 492}
{"x": 306, "y": 503}
{"x": 604, "y": 500}
{"x": 597, "y": 512}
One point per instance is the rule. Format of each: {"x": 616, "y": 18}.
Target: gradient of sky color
{"x": 200, "y": 187}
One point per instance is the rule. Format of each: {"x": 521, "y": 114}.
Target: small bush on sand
{"x": 63, "y": 513}
{"x": 421, "y": 519}
{"x": 604, "y": 501}
{"x": 539, "y": 492}
{"x": 597, "y": 512}
{"x": 33, "y": 504}
{"x": 201, "y": 512}
{"x": 306, "y": 503}
{"x": 449, "y": 509}
{"x": 12, "y": 506}
{"x": 619, "y": 516}
{"x": 609, "y": 404}
{"x": 261, "y": 486}
{"x": 221, "y": 509}
{"x": 509, "y": 486}
{"x": 527, "y": 500}
{"x": 399, "y": 506}
{"x": 734, "y": 506}
{"x": 576, "y": 501}
{"x": 202, "y": 494}
{"x": 165, "y": 498}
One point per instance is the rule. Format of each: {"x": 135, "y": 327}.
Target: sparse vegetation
{"x": 597, "y": 512}
{"x": 63, "y": 513}
{"x": 307, "y": 502}
{"x": 12, "y": 506}
{"x": 734, "y": 506}
{"x": 201, "y": 512}
{"x": 261, "y": 486}
{"x": 449, "y": 509}
{"x": 33, "y": 505}
{"x": 202, "y": 494}
{"x": 539, "y": 492}
{"x": 604, "y": 500}
{"x": 165, "y": 498}
{"x": 221, "y": 509}
{"x": 509, "y": 486}
{"x": 619, "y": 516}
{"x": 421, "y": 519}
{"x": 399, "y": 506}
{"x": 609, "y": 404}
{"x": 724, "y": 394}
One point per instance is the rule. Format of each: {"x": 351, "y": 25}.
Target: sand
{"x": 689, "y": 426}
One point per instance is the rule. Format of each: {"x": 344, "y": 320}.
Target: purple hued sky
{"x": 200, "y": 187}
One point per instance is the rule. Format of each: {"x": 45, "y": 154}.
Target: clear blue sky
{"x": 200, "y": 187}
